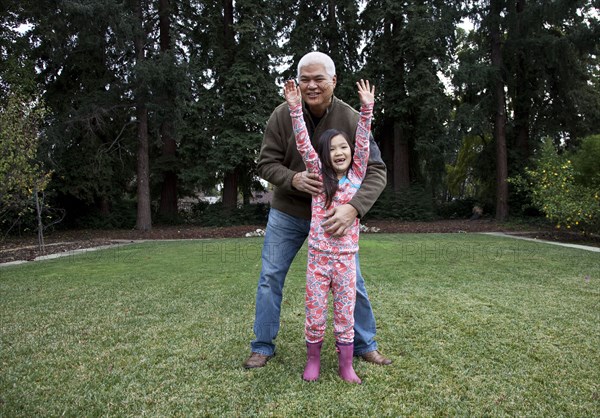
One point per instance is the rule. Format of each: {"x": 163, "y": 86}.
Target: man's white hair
{"x": 317, "y": 58}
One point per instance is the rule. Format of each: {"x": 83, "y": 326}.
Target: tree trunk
{"x": 245, "y": 186}
{"x": 333, "y": 41}
{"x": 230, "y": 181}
{"x": 104, "y": 206}
{"x": 522, "y": 102}
{"x": 230, "y": 186}
{"x": 401, "y": 167}
{"x": 168, "y": 195}
{"x": 144, "y": 213}
{"x": 164, "y": 22}
{"x": 500, "y": 114}
{"x": 40, "y": 223}
{"x": 402, "y": 151}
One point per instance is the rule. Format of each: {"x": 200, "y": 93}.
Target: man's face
{"x": 316, "y": 87}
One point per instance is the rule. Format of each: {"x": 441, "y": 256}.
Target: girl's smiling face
{"x": 341, "y": 155}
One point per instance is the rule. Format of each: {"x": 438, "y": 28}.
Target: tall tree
{"x": 548, "y": 51}
{"x": 540, "y": 52}
{"x": 144, "y": 213}
{"x": 73, "y": 51}
{"x": 236, "y": 91}
{"x": 495, "y": 15}
{"x": 522, "y": 94}
{"x": 230, "y": 181}
{"x": 332, "y": 27}
{"x": 407, "y": 45}
{"x": 168, "y": 196}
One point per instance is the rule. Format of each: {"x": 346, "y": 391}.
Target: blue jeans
{"x": 284, "y": 237}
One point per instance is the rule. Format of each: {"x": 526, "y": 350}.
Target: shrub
{"x": 412, "y": 204}
{"x": 121, "y": 216}
{"x": 586, "y": 162}
{"x": 554, "y": 191}
{"x": 456, "y": 209}
{"x": 216, "y": 214}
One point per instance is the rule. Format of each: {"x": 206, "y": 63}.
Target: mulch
{"x": 26, "y": 248}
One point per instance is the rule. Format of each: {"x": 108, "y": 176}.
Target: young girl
{"x": 331, "y": 260}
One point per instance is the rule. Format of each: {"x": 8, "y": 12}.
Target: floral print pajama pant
{"x": 338, "y": 273}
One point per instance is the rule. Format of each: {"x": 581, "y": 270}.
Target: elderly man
{"x": 289, "y": 219}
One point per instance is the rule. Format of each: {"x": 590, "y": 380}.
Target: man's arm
{"x": 272, "y": 153}
{"x": 270, "y": 161}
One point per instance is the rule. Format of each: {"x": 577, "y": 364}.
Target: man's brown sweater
{"x": 279, "y": 160}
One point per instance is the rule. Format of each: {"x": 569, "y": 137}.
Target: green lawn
{"x": 476, "y": 326}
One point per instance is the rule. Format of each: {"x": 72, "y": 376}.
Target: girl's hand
{"x": 365, "y": 92}
{"x": 291, "y": 93}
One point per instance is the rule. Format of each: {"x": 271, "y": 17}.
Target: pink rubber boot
{"x": 345, "y": 355}
{"x": 313, "y": 361}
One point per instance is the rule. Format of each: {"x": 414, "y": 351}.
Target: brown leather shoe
{"x": 256, "y": 360}
{"x": 376, "y": 357}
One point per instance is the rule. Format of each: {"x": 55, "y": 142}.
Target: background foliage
{"x": 201, "y": 78}
{"x": 22, "y": 176}
{"x": 565, "y": 186}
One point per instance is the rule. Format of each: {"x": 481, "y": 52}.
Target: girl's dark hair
{"x": 330, "y": 180}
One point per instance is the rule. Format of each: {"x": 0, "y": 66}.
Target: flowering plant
{"x": 554, "y": 191}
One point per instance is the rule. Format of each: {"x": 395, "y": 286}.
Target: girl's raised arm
{"x": 303, "y": 144}
{"x": 366, "y": 93}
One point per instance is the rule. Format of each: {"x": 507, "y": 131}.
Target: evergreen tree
{"x": 332, "y": 27}
{"x": 407, "y": 45}
{"x": 495, "y": 33}
{"x": 549, "y": 52}
{"x": 185, "y": 88}
{"x": 543, "y": 62}
{"x": 168, "y": 196}
{"x": 144, "y": 216}
{"x": 78, "y": 62}
{"x": 233, "y": 55}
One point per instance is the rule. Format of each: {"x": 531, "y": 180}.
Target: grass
{"x": 476, "y": 326}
